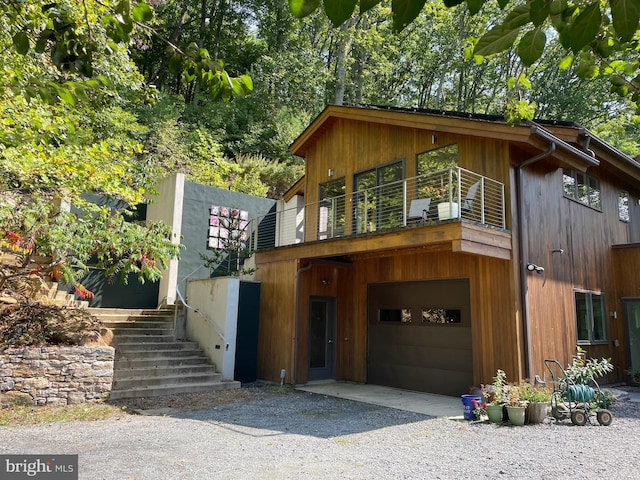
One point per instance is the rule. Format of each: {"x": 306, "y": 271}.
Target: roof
{"x": 571, "y": 142}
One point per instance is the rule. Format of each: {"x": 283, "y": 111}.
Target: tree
{"x": 601, "y": 36}
{"x": 73, "y": 36}
{"x": 52, "y": 150}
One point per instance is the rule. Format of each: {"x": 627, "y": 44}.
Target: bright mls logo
{"x": 50, "y": 467}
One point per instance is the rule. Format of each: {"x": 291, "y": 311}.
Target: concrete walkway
{"x": 417, "y": 402}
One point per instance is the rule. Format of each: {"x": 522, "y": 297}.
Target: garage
{"x": 419, "y": 336}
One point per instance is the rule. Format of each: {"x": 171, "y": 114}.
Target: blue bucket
{"x": 467, "y": 403}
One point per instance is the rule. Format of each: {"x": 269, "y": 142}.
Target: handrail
{"x": 461, "y": 195}
{"x": 206, "y": 318}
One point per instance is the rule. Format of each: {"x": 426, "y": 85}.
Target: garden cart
{"x": 577, "y": 400}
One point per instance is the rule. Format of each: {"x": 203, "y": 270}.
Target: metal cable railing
{"x": 446, "y": 195}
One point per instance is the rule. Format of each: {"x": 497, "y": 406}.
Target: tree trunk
{"x": 343, "y": 49}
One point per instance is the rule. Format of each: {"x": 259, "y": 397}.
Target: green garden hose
{"x": 580, "y": 393}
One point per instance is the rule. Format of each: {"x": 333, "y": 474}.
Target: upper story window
{"x": 438, "y": 159}
{"x": 623, "y": 206}
{"x": 590, "y": 317}
{"x": 582, "y": 188}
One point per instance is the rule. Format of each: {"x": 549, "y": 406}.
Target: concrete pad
{"x": 417, "y": 402}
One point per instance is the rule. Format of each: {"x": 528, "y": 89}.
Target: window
{"x": 397, "y": 315}
{"x": 331, "y": 209}
{"x": 438, "y": 159}
{"x": 378, "y": 200}
{"x": 623, "y": 206}
{"x": 581, "y": 187}
{"x": 590, "y": 317}
{"x": 441, "y": 315}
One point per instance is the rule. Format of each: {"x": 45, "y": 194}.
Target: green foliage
{"x": 534, "y": 393}
{"x": 581, "y": 371}
{"x": 600, "y": 32}
{"x": 74, "y": 36}
{"x": 498, "y": 395}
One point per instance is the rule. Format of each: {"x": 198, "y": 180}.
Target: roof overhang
{"x": 571, "y": 144}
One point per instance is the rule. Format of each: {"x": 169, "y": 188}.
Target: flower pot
{"x": 447, "y": 210}
{"x": 516, "y": 415}
{"x": 494, "y": 412}
{"x": 537, "y": 411}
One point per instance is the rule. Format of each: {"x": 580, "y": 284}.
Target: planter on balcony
{"x": 447, "y": 210}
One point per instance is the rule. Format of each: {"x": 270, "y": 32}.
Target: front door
{"x": 322, "y": 347}
{"x": 632, "y": 322}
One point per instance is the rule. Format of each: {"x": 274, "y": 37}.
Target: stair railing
{"x": 205, "y": 317}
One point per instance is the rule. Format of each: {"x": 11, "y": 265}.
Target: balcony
{"x": 435, "y": 199}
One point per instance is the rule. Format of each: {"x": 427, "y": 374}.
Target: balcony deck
{"x": 451, "y": 210}
{"x": 451, "y": 236}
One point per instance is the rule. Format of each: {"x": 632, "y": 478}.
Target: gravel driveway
{"x": 300, "y": 435}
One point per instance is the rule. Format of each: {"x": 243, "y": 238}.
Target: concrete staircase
{"x": 150, "y": 361}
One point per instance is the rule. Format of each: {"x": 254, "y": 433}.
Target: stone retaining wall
{"x": 56, "y": 375}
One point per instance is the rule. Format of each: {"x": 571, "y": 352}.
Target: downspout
{"x": 297, "y": 322}
{"x": 523, "y": 269}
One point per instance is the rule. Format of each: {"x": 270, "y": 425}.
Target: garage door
{"x": 420, "y": 336}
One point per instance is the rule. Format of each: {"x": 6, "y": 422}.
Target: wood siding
{"x": 492, "y": 261}
{"x": 495, "y": 323}
{"x": 347, "y": 147}
{"x": 586, "y": 235}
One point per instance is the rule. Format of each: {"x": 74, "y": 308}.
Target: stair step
{"x": 145, "y": 339}
{"x": 149, "y": 360}
{"x": 197, "y": 378}
{"x": 160, "y": 362}
{"x": 155, "y": 346}
{"x": 165, "y": 371}
{"x": 172, "y": 390}
{"x": 123, "y": 332}
{"x": 143, "y": 327}
{"x": 158, "y": 354}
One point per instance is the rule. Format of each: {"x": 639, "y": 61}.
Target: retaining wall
{"x": 55, "y": 375}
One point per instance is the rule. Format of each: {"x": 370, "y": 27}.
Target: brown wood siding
{"x": 495, "y": 332}
{"x": 586, "y": 236}
{"x": 348, "y": 147}
{"x": 276, "y": 331}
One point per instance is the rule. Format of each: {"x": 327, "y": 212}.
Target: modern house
{"x": 424, "y": 250}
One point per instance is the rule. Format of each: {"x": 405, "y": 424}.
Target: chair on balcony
{"x": 419, "y": 210}
{"x": 469, "y": 200}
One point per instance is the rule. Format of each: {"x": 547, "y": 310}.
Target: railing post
{"x": 404, "y": 202}
{"x": 502, "y": 204}
{"x": 459, "y": 191}
{"x": 482, "y": 200}
{"x": 366, "y": 210}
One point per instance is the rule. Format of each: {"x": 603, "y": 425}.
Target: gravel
{"x": 301, "y": 435}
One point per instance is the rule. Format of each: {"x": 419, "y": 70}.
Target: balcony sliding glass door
{"x": 378, "y": 208}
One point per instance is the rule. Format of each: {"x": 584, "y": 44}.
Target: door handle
{"x": 330, "y": 341}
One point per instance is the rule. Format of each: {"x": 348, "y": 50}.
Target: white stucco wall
{"x": 216, "y": 300}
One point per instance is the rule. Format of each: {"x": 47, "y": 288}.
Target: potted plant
{"x": 635, "y": 375}
{"x": 496, "y": 397}
{"x": 516, "y": 405}
{"x": 538, "y": 399}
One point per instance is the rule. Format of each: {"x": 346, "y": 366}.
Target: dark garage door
{"x": 420, "y": 336}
